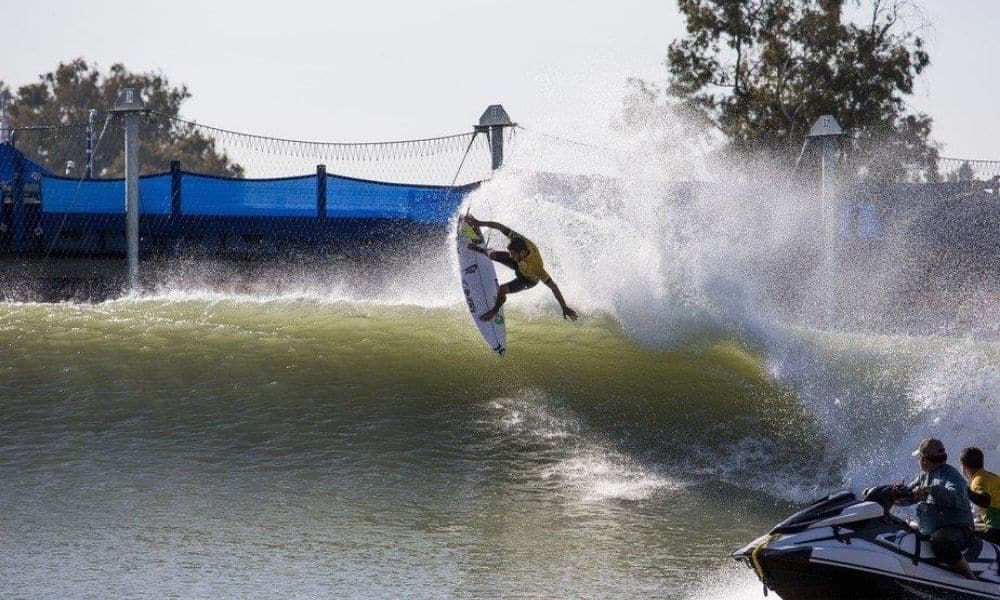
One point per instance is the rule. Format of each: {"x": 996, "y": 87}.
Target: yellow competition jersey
{"x": 531, "y": 267}
{"x": 985, "y": 482}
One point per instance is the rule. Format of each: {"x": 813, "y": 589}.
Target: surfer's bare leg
{"x": 518, "y": 284}
{"x": 504, "y": 258}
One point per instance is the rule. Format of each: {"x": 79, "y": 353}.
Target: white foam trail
{"x": 728, "y": 582}
{"x": 330, "y": 296}
{"x": 421, "y": 276}
{"x": 571, "y": 457}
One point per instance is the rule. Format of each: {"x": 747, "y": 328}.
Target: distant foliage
{"x": 762, "y": 71}
{"x": 65, "y": 97}
{"x": 963, "y": 173}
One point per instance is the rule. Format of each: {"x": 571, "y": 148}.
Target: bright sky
{"x": 392, "y": 69}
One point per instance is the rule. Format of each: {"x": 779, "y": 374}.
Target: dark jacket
{"x": 947, "y": 502}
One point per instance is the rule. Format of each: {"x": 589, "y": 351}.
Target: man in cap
{"x": 984, "y": 491}
{"x": 943, "y": 511}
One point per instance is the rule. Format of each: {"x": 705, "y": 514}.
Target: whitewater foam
{"x": 954, "y": 395}
{"x": 732, "y": 582}
{"x": 677, "y": 265}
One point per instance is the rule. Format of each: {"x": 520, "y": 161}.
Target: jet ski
{"x": 842, "y": 547}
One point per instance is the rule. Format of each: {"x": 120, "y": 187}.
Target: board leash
{"x": 451, "y": 186}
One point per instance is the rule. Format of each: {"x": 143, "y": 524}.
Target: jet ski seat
{"x": 974, "y": 550}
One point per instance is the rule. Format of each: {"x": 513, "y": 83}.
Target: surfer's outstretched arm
{"x": 568, "y": 313}
{"x": 507, "y": 231}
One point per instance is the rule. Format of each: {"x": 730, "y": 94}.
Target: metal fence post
{"x": 6, "y": 132}
{"x": 321, "y": 192}
{"x": 176, "y": 182}
{"x": 89, "y": 154}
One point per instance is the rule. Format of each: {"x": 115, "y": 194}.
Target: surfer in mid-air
{"x": 523, "y": 257}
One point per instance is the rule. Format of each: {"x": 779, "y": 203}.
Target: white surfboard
{"x": 479, "y": 285}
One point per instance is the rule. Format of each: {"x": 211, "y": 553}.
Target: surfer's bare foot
{"x": 488, "y": 315}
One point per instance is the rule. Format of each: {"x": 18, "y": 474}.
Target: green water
{"x": 219, "y": 447}
{"x": 252, "y": 449}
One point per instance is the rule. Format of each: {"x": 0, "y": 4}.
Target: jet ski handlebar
{"x": 887, "y": 495}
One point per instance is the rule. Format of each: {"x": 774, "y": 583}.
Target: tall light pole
{"x": 825, "y": 132}
{"x": 493, "y": 122}
{"x": 128, "y": 106}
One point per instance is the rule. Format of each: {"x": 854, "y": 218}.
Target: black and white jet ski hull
{"x": 843, "y": 548}
{"x": 795, "y": 575}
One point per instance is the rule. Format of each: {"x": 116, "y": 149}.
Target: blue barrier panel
{"x": 12, "y": 159}
{"x": 286, "y": 197}
{"x": 105, "y": 196}
{"x": 354, "y": 198}
{"x": 235, "y": 217}
{"x": 61, "y": 196}
{"x": 205, "y": 195}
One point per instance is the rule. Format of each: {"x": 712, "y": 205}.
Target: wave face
{"x": 717, "y": 391}
{"x": 207, "y": 445}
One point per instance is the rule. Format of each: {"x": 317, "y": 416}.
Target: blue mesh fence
{"x": 376, "y": 194}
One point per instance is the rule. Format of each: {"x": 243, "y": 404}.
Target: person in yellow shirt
{"x": 984, "y": 491}
{"x": 524, "y": 258}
